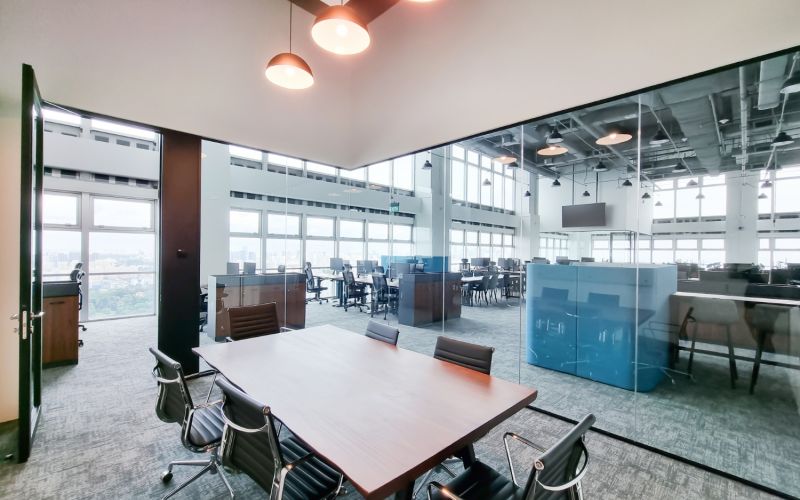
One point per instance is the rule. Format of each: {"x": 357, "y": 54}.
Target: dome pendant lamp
{"x": 340, "y": 30}
{"x": 289, "y": 70}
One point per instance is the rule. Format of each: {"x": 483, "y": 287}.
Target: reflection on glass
{"x": 121, "y": 295}
{"x": 61, "y": 251}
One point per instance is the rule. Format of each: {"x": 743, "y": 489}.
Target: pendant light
{"x": 555, "y": 136}
{"x": 527, "y": 193}
{"x": 556, "y": 183}
{"x": 427, "y": 165}
{"x": 700, "y": 196}
{"x": 792, "y": 84}
{"x": 659, "y": 204}
{"x": 627, "y": 183}
{"x": 782, "y": 139}
{"x": 552, "y": 150}
{"x": 289, "y": 70}
{"x": 691, "y": 183}
{"x": 586, "y": 194}
{"x": 340, "y": 30}
{"x": 763, "y": 196}
{"x": 505, "y": 159}
{"x": 766, "y": 184}
{"x": 646, "y": 196}
{"x": 601, "y": 167}
{"x": 513, "y": 164}
{"x": 614, "y": 136}
{"x": 660, "y": 138}
{"x": 487, "y": 182}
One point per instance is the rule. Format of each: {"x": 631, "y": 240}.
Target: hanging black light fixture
{"x": 700, "y": 196}
{"x": 782, "y": 139}
{"x": 766, "y": 184}
{"x": 646, "y": 196}
{"x": 691, "y": 183}
{"x": 627, "y": 183}
{"x": 601, "y": 167}
{"x": 555, "y": 136}
{"x": 660, "y": 138}
{"x": 763, "y": 196}
{"x": 659, "y": 204}
{"x": 556, "y": 183}
{"x": 527, "y": 193}
{"x": 586, "y": 194}
{"x": 513, "y": 164}
{"x": 427, "y": 165}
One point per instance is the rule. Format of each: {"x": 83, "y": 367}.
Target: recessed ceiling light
{"x": 340, "y": 30}
{"x": 615, "y": 136}
{"x": 552, "y": 150}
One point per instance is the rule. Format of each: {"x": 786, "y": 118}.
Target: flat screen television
{"x": 587, "y": 215}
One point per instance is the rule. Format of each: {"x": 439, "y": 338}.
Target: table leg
{"x": 467, "y": 456}
{"x": 407, "y": 493}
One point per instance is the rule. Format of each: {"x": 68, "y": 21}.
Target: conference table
{"x": 380, "y": 414}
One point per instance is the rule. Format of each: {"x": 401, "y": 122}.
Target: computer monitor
{"x": 419, "y": 267}
{"x": 564, "y": 261}
{"x": 336, "y": 264}
{"x": 233, "y": 268}
{"x": 502, "y": 263}
{"x": 479, "y": 261}
{"x": 587, "y": 259}
{"x": 249, "y": 268}
{"x": 540, "y": 260}
{"x": 368, "y": 266}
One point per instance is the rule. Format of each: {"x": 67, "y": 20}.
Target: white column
{"x": 741, "y": 225}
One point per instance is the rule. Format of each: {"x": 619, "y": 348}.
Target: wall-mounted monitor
{"x": 587, "y": 215}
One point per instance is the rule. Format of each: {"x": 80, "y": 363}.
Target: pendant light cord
{"x": 290, "y": 26}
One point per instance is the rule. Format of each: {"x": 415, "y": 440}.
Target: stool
{"x": 715, "y": 312}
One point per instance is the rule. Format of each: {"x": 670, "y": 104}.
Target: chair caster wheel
{"x": 166, "y": 476}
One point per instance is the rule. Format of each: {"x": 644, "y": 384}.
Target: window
{"x": 123, "y": 130}
{"x": 52, "y": 115}
{"x": 319, "y": 252}
{"x": 287, "y": 224}
{"x": 473, "y": 184}
{"x": 60, "y": 209}
{"x": 457, "y": 180}
{"x": 666, "y": 209}
{"x": 245, "y": 222}
{"x": 508, "y": 198}
{"x": 243, "y": 250}
{"x": 248, "y": 154}
{"x": 457, "y": 151}
{"x": 351, "y": 229}
{"x": 686, "y": 203}
{"x": 380, "y": 173}
{"x": 456, "y": 236}
{"x": 284, "y": 161}
{"x": 320, "y": 169}
{"x": 319, "y": 227}
{"x": 376, "y": 249}
{"x": 283, "y": 252}
{"x": 401, "y": 232}
{"x": 403, "y": 173}
{"x": 358, "y": 174}
{"x": 378, "y": 231}
{"x": 786, "y": 195}
{"x": 714, "y": 202}
{"x": 123, "y": 213}
{"x": 122, "y": 274}
{"x": 351, "y": 250}
{"x": 61, "y": 251}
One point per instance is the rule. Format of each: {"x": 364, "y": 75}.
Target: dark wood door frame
{"x": 179, "y": 251}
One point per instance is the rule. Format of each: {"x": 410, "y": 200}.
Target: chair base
{"x": 212, "y": 465}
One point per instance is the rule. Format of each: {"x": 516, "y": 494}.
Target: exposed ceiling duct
{"x": 772, "y": 73}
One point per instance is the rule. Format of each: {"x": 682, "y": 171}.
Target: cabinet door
{"x": 60, "y": 336}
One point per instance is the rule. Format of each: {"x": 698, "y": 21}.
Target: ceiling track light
{"x": 627, "y": 183}
{"x": 288, "y": 70}
{"x": 556, "y": 183}
{"x": 552, "y": 150}
{"x": 660, "y": 138}
{"x": 782, "y": 139}
{"x": 586, "y": 194}
{"x": 614, "y": 136}
{"x": 340, "y": 30}
{"x": 554, "y": 137}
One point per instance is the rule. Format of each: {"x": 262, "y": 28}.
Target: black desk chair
{"x": 382, "y": 332}
{"x": 284, "y": 468}
{"x": 353, "y": 291}
{"x": 76, "y": 276}
{"x": 253, "y": 321}
{"x": 281, "y": 269}
{"x": 203, "y": 309}
{"x": 555, "y": 474}
{"x": 314, "y": 285}
{"x": 473, "y": 356}
{"x": 201, "y": 424}
{"x": 382, "y": 295}
{"x": 480, "y": 288}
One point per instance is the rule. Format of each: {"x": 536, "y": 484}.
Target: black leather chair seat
{"x": 481, "y": 482}
{"x": 311, "y": 479}
{"x": 206, "y": 426}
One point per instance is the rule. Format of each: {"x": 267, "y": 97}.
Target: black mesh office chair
{"x": 473, "y": 356}
{"x": 352, "y": 290}
{"x": 314, "y": 285}
{"x": 284, "y": 468}
{"x": 281, "y": 269}
{"x": 382, "y": 332}
{"x": 480, "y": 288}
{"x": 382, "y": 295}
{"x": 201, "y": 424}
{"x": 76, "y": 275}
{"x": 555, "y": 474}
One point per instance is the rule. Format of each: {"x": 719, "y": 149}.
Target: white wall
{"x": 457, "y": 68}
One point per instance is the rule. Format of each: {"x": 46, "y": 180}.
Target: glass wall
{"x": 635, "y": 259}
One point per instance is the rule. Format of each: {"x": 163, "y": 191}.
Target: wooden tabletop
{"x": 381, "y": 414}
{"x": 740, "y": 298}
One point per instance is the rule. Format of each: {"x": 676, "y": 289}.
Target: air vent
{"x": 99, "y": 177}
{"x": 48, "y": 171}
{"x": 69, "y": 174}
{"x": 121, "y": 180}
{"x": 71, "y": 134}
{"x": 123, "y": 142}
{"x": 101, "y": 138}
{"x": 139, "y": 145}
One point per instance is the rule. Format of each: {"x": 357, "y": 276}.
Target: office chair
{"x": 382, "y": 294}
{"x": 493, "y": 285}
{"x": 249, "y": 268}
{"x": 555, "y": 474}
{"x": 352, "y": 290}
{"x": 382, "y": 332}
{"x": 251, "y": 445}
{"x": 480, "y": 288}
{"x": 76, "y": 276}
{"x": 473, "y": 356}
{"x": 201, "y": 424}
{"x": 281, "y": 269}
{"x": 203, "y": 309}
{"x": 314, "y": 285}
{"x": 715, "y": 312}
{"x": 232, "y": 268}
{"x": 253, "y": 321}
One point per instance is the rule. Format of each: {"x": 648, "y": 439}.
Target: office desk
{"x": 339, "y": 281}
{"x": 381, "y": 414}
{"x": 60, "y": 323}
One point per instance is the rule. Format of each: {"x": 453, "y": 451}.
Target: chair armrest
{"x": 209, "y": 404}
{"x": 205, "y": 373}
{"x": 522, "y": 440}
{"x": 238, "y": 427}
{"x": 444, "y": 491}
{"x": 575, "y": 480}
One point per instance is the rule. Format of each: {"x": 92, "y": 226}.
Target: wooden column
{"x": 179, "y": 261}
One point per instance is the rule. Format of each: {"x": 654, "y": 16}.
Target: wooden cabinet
{"x": 60, "y": 324}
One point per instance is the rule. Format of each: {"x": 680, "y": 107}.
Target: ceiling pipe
{"x": 716, "y": 121}
{"x": 744, "y": 111}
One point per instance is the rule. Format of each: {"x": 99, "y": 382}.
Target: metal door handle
{"x": 38, "y": 315}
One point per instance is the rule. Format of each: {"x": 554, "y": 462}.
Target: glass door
{"x": 30, "y": 313}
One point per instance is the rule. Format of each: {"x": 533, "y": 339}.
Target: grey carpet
{"x": 100, "y": 438}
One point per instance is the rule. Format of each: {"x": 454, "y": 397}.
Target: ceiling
{"x": 368, "y": 10}
{"x": 705, "y": 120}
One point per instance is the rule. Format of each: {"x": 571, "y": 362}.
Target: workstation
{"x": 403, "y": 280}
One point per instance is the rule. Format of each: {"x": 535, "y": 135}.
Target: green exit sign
{"x": 394, "y": 207}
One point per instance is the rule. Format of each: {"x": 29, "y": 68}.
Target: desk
{"x": 381, "y": 414}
